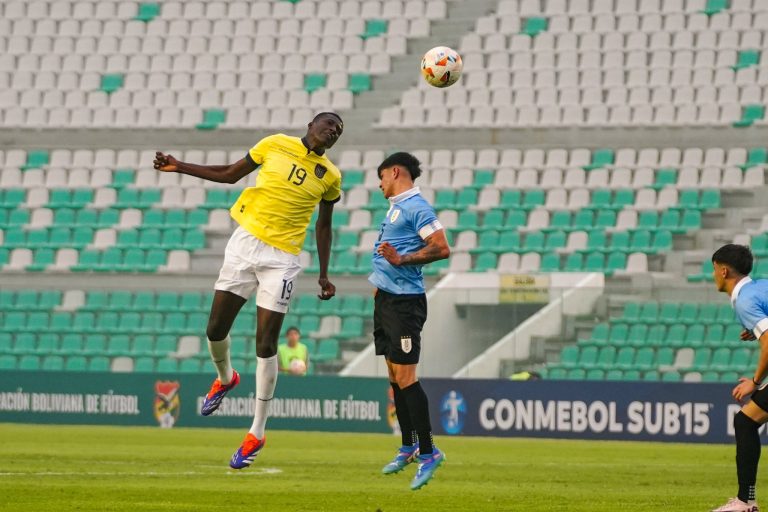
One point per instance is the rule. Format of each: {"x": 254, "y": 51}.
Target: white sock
{"x": 266, "y": 380}
{"x": 220, "y": 356}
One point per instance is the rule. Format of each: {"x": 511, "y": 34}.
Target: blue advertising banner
{"x": 638, "y": 411}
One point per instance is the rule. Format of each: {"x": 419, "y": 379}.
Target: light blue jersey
{"x": 409, "y": 221}
{"x": 750, "y": 302}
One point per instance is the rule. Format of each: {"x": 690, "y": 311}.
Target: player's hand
{"x": 744, "y": 388}
{"x": 165, "y": 163}
{"x": 390, "y": 253}
{"x": 747, "y": 335}
{"x": 327, "y": 290}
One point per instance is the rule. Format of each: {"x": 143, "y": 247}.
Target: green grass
{"x": 135, "y": 469}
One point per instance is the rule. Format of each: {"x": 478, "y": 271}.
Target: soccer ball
{"x": 441, "y": 66}
{"x": 298, "y": 367}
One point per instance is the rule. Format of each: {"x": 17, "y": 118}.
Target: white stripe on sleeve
{"x": 430, "y": 229}
{"x": 760, "y": 328}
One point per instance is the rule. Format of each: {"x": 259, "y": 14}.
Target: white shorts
{"x": 251, "y": 265}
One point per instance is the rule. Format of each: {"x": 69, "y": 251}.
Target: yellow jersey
{"x": 290, "y": 183}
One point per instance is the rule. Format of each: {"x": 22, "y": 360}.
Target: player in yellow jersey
{"x": 263, "y": 254}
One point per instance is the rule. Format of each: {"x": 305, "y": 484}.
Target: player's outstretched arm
{"x": 219, "y": 173}
{"x": 436, "y": 248}
{"x": 323, "y": 238}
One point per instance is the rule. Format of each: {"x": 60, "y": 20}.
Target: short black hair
{"x": 403, "y": 159}
{"x": 738, "y": 257}
{"x": 334, "y": 114}
{"x": 293, "y": 328}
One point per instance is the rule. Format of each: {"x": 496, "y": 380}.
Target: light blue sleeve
{"x": 751, "y": 311}
{"x": 425, "y": 220}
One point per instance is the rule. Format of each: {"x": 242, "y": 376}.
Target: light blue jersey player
{"x": 410, "y": 237}
{"x": 732, "y": 265}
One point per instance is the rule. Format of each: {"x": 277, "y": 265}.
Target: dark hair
{"x": 334, "y": 114}
{"x": 293, "y": 328}
{"x": 403, "y": 159}
{"x": 738, "y": 257}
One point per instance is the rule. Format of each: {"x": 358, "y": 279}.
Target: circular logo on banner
{"x": 453, "y": 409}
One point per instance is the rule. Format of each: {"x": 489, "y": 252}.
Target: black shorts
{"x": 760, "y": 397}
{"x": 397, "y": 324}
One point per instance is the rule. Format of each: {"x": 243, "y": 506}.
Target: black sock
{"x": 747, "y": 454}
{"x": 418, "y": 405}
{"x": 403, "y": 416}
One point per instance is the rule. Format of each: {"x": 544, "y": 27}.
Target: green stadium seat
{"x": 619, "y": 241}
{"x": 601, "y": 198}
{"x": 466, "y": 197}
{"x": 481, "y": 178}
{"x": 352, "y": 178}
{"x": 212, "y": 118}
{"x": 631, "y": 312}
{"x": 576, "y": 374}
{"x": 631, "y": 375}
{"x": 42, "y": 259}
{"x": 574, "y": 262}
{"x": 36, "y": 159}
{"x": 694, "y": 336}
{"x": 167, "y": 365}
{"x": 509, "y": 241}
{"x": 596, "y": 240}
{"x": 7, "y": 362}
{"x": 534, "y": 242}
{"x": 487, "y": 241}
{"x": 614, "y": 375}
{"x": 467, "y": 220}
{"x": 118, "y": 345}
{"x": 715, "y": 335}
{"x": 144, "y": 365}
{"x": 701, "y": 359}
{"x": 755, "y": 157}
{"x": 550, "y": 262}
{"x": 599, "y": 335}
{"x": 109, "y": 217}
{"x": 740, "y": 359}
{"x": 587, "y": 356}
{"x": 721, "y": 359}
{"x": 123, "y": 177}
{"x": 53, "y": 363}
{"x": 569, "y": 356}
{"x": 641, "y": 359}
{"x": 648, "y": 220}
{"x": 95, "y": 344}
{"x": 670, "y": 220}
{"x": 533, "y": 199}
{"x": 374, "y": 28}
{"x": 445, "y": 199}
{"x": 662, "y": 242}
{"x": 583, "y": 220}
{"x": 555, "y": 240}
{"x": 604, "y": 219}
{"x": 606, "y": 357}
{"x": 12, "y": 197}
{"x": 359, "y": 82}
{"x": 485, "y": 261}
{"x": 351, "y": 327}
{"x": 533, "y": 26}
{"x": 327, "y": 350}
{"x": 672, "y": 376}
{"x": 665, "y": 177}
{"x": 710, "y": 198}
{"x": 560, "y": 219}
{"x": 732, "y": 377}
{"x": 638, "y": 335}
{"x": 190, "y": 365}
{"x": 750, "y": 114}
{"x": 594, "y": 262}
{"x": 143, "y": 345}
{"x": 600, "y": 158}
{"x": 516, "y": 219}
{"x": 98, "y": 364}
{"x": 187, "y": 302}
{"x": 112, "y": 82}
{"x": 147, "y": 11}
{"x": 652, "y": 375}
{"x": 75, "y": 364}
{"x": 510, "y": 199}
{"x": 625, "y": 358}
{"x": 619, "y": 334}
{"x": 715, "y": 6}
{"x": 28, "y": 362}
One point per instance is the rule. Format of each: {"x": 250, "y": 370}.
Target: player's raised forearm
{"x": 435, "y": 250}
{"x": 762, "y": 363}
{"x": 323, "y": 238}
{"x": 218, "y": 173}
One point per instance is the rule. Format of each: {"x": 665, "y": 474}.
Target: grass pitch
{"x": 83, "y": 468}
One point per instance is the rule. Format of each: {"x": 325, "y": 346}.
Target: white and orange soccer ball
{"x": 441, "y": 66}
{"x": 298, "y": 367}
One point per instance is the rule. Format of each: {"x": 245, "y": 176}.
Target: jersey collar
{"x": 402, "y": 196}
{"x": 310, "y": 150}
{"x": 738, "y": 287}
